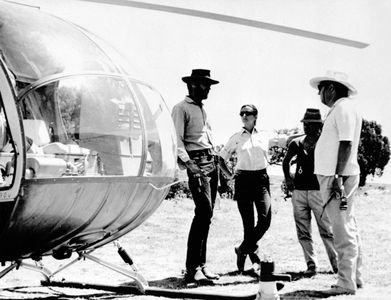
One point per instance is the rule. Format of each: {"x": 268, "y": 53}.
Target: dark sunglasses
{"x": 247, "y": 113}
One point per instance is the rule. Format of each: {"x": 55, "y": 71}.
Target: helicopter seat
{"x": 42, "y": 157}
{"x": 80, "y": 161}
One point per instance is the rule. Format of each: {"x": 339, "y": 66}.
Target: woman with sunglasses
{"x": 252, "y": 187}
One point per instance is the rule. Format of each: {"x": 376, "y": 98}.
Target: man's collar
{"x": 191, "y": 101}
{"x": 335, "y": 104}
{"x": 339, "y": 101}
{"x": 244, "y": 130}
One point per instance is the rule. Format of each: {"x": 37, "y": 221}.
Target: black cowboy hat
{"x": 312, "y": 115}
{"x": 199, "y": 75}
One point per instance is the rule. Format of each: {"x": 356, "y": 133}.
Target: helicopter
{"x": 84, "y": 146}
{"x": 87, "y": 153}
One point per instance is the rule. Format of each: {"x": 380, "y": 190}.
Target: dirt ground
{"x": 158, "y": 248}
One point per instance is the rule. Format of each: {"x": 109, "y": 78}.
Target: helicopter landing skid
{"x": 19, "y": 263}
{"x": 141, "y": 283}
{"x": 141, "y": 287}
{"x": 139, "y": 280}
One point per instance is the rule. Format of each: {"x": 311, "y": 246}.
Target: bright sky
{"x": 268, "y": 69}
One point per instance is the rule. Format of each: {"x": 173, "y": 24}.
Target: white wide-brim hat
{"x": 340, "y": 77}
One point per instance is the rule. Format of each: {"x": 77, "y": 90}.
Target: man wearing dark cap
{"x": 195, "y": 152}
{"x": 338, "y": 172}
{"x": 306, "y": 196}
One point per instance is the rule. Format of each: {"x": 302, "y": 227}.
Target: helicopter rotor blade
{"x": 236, "y": 20}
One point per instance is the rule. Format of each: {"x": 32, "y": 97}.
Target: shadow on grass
{"x": 304, "y": 294}
{"x": 301, "y": 275}
{"x": 245, "y": 277}
{"x": 38, "y": 292}
{"x": 170, "y": 283}
{"x": 177, "y": 283}
{"x": 228, "y": 279}
{"x": 249, "y": 273}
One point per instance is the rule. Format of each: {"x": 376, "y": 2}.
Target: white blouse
{"x": 250, "y": 149}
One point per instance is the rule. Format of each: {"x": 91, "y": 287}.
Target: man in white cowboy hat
{"x": 306, "y": 196}
{"x": 195, "y": 152}
{"x": 338, "y": 172}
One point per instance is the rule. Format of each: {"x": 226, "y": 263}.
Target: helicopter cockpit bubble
{"x": 84, "y": 115}
{"x": 97, "y": 120}
{"x": 95, "y": 125}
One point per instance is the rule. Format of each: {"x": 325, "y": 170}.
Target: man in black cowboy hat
{"x": 306, "y": 196}
{"x": 195, "y": 152}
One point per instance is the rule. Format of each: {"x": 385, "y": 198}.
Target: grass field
{"x": 158, "y": 247}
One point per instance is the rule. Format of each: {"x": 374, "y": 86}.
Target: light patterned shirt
{"x": 343, "y": 123}
{"x": 250, "y": 149}
{"x": 192, "y": 127}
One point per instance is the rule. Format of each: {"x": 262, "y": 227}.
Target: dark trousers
{"x": 252, "y": 188}
{"x": 203, "y": 190}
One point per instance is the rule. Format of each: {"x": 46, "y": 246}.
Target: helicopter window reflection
{"x": 83, "y": 126}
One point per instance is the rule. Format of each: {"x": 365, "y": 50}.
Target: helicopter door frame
{"x": 12, "y": 115}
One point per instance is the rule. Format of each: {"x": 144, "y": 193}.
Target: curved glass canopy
{"x": 94, "y": 125}
{"x": 40, "y": 45}
{"x": 81, "y": 113}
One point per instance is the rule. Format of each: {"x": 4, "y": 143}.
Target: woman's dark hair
{"x": 252, "y": 106}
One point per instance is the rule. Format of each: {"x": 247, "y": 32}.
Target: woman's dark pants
{"x": 252, "y": 188}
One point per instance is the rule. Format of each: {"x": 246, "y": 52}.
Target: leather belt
{"x": 200, "y": 153}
